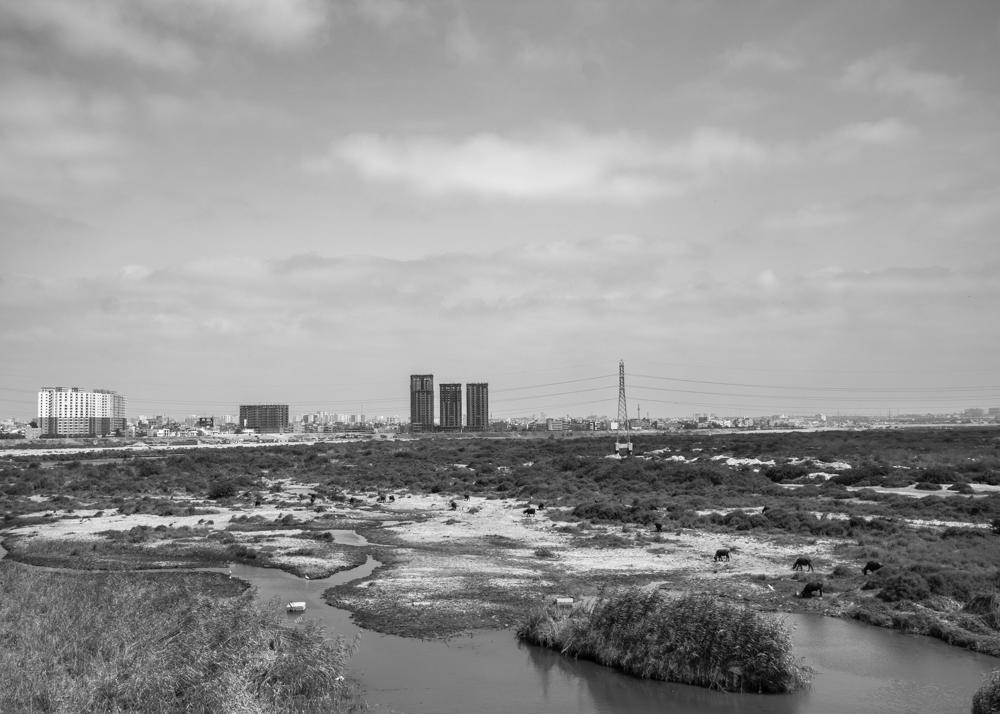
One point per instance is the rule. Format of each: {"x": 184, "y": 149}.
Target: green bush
{"x": 694, "y": 639}
{"x": 986, "y": 700}
{"x": 906, "y": 585}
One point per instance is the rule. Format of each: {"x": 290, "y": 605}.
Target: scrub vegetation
{"x": 851, "y": 495}
{"x": 158, "y": 643}
{"x": 692, "y": 639}
{"x": 986, "y": 700}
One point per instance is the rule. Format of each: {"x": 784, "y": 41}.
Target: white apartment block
{"x": 71, "y": 411}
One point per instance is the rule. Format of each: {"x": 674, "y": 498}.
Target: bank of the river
{"x": 481, "y": 564}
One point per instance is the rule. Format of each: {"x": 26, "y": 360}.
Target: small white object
{"x": 297, "y": 606}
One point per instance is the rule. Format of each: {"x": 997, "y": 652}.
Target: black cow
{"x": 541, "y": 505}
{"x": 381, "y": 498}
{"x": 812, "y": 589}
{"x": 529, "y": 511}
{"x": 453, "y": 505}
{"x": 870, "y": 567}
{"x": 391, "y": 497}
{"x": 721, "y": 554}
{"x": 659, "y": 527}
{"x": 803, "y": 563}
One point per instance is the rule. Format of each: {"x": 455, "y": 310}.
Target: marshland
{"x": 135, "y": 535}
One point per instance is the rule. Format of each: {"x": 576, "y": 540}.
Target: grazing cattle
{"x": 812, "y": 589}
{"x": 870, "y": 567}
{"x": 391, "y": 497}
{"x": 721, "y": 554}
{"x": 541, "y": 505}
{"x": 381, "y": 498}
{"x": 529, "y": 511}
{"x": 659, "y": 527}
{"x": 453, "y": 505}
{"x": 466, "y": 497}
{"x": 256, "y": 504}
{"x": 803, "y": 563}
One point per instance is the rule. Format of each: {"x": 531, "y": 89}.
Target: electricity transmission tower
{"x": 623, "y": 445}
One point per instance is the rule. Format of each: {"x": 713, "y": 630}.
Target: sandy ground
{"x": 478, "y": 519}
{"x": 483, "y": 563}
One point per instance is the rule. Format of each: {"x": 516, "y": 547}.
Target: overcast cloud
{"x": 210, "y": 202}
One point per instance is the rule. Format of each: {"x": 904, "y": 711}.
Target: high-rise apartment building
{"x": 264, "y": 418}
{"x": 451, "y": 407}
{"x": 421, "y": 402}
{"x": 477, "y": 406}
{"x": 71, "y": 411}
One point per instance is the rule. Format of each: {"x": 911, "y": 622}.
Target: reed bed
{"x": 128, "y": 643}
{"x": 986, "y": 700}
{"x": 693, "y": 639}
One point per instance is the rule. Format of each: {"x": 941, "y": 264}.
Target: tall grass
{"x": 986, "y": 700}
{"x": 130, "y": 643}
{"x": 694, "y": 639}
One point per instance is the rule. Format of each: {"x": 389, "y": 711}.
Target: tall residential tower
{"x": 264, "y": 418}
{"x": 451, "y": 407}
{"x": 421, "y": 402}
{"x": 477, "y": 406}
{"x": 71, "y": 411}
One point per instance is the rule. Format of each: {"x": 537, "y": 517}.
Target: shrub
{"x": 986, "y": 700}
{"x": 906, "y": 585}
{"x": 222, "y": 489}
{"x": 695, "y": 639}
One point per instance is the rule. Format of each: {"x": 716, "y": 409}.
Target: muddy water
{"x": 857, "y": 669}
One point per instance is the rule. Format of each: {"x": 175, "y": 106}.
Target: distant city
{"x": 74, "y": 412}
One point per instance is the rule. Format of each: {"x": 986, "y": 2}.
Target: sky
{"x": 773, "y": 206}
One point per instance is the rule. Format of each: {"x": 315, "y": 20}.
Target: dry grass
{"x": 127, "y": 643}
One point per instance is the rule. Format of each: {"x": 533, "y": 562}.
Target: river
{"x": 858, "y": 668}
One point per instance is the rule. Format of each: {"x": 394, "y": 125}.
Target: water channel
{"x": 858, "y": 668}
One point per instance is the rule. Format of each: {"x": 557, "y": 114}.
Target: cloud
{"x": 52, "y": 133}
{"x": 278, "y": 24}
{"x": 750, "y": 57}
{"x": 104, "y": 28}
{"x": 857, "y": 139}
{"x": 886, "y": 73}
{"x": 563, "y": 162}
{"x": 812, "y": 217}
{"x": 533, "y": 56}
{"x": 462, "y": 44}
{"x": 163, "y": 34}
{"x": 387, "y": 14}
{"x": 883, "y": 131}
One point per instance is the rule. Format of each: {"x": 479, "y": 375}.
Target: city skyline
{"x": 479, "y": 411}
{"x": 762, "y": 208}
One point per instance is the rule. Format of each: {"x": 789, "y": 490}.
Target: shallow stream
{"x": 858, "y": 668}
